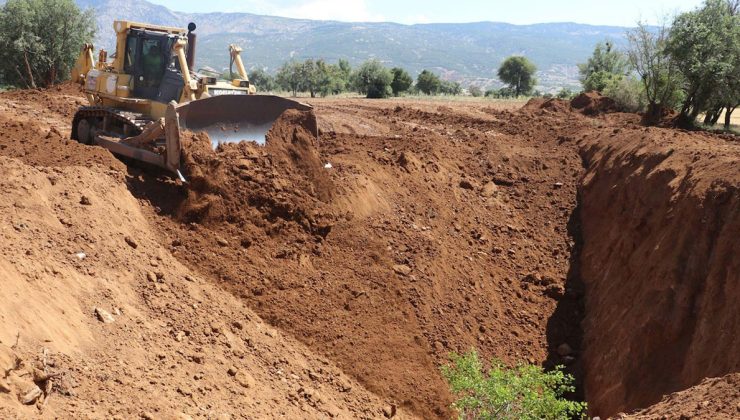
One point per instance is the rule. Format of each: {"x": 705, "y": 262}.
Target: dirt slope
{"x": 713, "y": 398}
{"x": 436, "y": 227}
{"x": 76, "y": 249}
{"x": 446, "y": 235}
{"x": 661, "y": 219}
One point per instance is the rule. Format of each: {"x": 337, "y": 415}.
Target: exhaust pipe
{"x": 190, "y": 55}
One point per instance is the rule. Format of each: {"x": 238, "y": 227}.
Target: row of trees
{"x": 372, "y": 79}
{"x": 692, "y": 65}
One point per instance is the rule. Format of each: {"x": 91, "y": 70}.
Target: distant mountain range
{"x": 467, "y": 52}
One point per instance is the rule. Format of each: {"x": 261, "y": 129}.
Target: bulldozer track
{"x": 134, "y": 120}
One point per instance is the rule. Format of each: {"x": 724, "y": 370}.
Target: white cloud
{"x": 344, "y": 10}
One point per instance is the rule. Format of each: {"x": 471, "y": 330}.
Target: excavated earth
{"x": 310, "y": 279}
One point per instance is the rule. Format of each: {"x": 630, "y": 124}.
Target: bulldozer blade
{"x": 235, "y": 118}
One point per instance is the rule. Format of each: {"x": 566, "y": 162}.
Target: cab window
{"x": 129, "y": 60}
{"x": 153, "y": 60}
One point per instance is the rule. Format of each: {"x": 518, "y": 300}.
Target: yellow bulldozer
{"x": 142, "y": 98}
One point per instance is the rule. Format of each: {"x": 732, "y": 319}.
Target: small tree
{"x": 518, "y": 73}
{"x": 475, "y": 91}
{"x": 447, "y": 87}
{"x": 373, "y": 80}
{"x": 428, "y": 82}
{"x": 290, "y": 77}
{"x": 628, "y": 93}
{"x": 524, "y": 392}
{"x": 40, "y": 40}
{"x": 401, "y": 81}
{"x": 262, "y": 80}
{"x": 658, "y": 73}
{"x": 603, "y": 67}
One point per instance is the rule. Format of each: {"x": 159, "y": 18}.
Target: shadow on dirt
{"x": 564, "y": 330}
{"x": 157, "y": 187}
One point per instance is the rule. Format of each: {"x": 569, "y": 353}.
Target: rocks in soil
{"x": 104, "y": 316}
{"x": 402, "y": 269}
{"x": 85, "y": 201}
{"x": 32, "y": 395}
{"x": 489, "y": 189}
{"x": 409, "y": 162}
{"x": 131, "y": 242}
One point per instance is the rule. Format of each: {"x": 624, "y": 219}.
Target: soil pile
{"x": 268, "y": 187}
{"x": 661, "y": 216}
{"x": 593, "y": 103}
{"x": 435, "y": 231}
{"x": 100, "y": 320}
{"x": 552, "y": 104}
{"x": 713, "y": 398}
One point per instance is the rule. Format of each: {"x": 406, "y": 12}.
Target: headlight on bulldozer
{"x": 244, "y": 83}
{"x": 209, "y": 80}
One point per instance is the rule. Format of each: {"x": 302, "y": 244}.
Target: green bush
{"x": 524, "y": 392}
{"x": 628, "y": 93}
{"x": 373, "y": 80}
{"x": 475, "y": 91}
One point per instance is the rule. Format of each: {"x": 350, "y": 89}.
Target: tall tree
{"x": 656, "y": 69}
{"x": 428, "y": 82}
{"x": 40, "y": 40}
{"x": 373, "y": 79}
{"x": 402, "y": 81}
{"x": 605, "y": 66}
{"x": 518, "y": 73}
{"x": 705, "y": 46}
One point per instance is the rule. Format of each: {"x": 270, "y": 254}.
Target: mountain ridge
{"x": 469, "y": 53}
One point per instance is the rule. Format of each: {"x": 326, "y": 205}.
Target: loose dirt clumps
{"x": 281, "y": 183}
{"x": 593, "y": 103}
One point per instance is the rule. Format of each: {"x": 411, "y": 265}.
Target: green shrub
{"x": 628, "y": 93}
{"x": 373, "y": 80}
{"x": 523, "y": 392}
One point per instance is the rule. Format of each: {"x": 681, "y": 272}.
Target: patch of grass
{"x": 525, "y": 392}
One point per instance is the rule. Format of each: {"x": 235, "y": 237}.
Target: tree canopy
{"x": 705, "y": 46}
{"x": 518, "y": 73}
{"x": 40, "y": 40}
{"x": 605, "y": 66}
{"x": 373, "y": 79}
{"x": 401, "y": 81}
{"x": 428, "y": 82}
{"x": 262, "y": 80}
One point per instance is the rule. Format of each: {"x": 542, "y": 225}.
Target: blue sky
{"x": 597, "y": 12}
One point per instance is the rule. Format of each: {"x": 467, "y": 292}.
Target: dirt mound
{"x": 283, "y": 182}
{"x": 661, "y": 216}
{"x": 433, "y": 226}
{"x": 713, "y": 398}
{"x": 99, "y": 320}
{"x": 552, "y": 105}
{"x": 593, "y": 103}
{"x": 63, "y": 99}
{"x": 36, "y": 145}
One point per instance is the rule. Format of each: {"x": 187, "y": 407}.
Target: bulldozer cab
{"x": 152, "y": 66}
